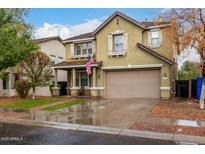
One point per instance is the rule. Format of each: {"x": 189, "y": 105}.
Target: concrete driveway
{"x": 121, "y": 113}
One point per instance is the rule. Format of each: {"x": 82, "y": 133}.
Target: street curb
{"x": 99, "y": 129}
{"x": 147, "y": 134}
{"x": 65, "y": 126}
{"x": 189, "y": 138}
{"x": 109, "y": 130}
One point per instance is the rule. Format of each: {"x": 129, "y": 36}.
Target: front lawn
{"x": 29, "y": 103}
{"x": 64, "y": 105}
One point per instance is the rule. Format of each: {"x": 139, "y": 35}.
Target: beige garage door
{"x": 133, "y": 84}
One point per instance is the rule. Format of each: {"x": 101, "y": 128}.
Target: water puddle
{"x": 190, "y": 123}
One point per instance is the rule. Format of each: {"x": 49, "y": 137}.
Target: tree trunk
{"x": 33, "y": 95}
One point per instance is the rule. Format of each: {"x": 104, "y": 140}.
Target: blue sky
{"x": 76, "y": 16}
{"x": 70, "y": 22}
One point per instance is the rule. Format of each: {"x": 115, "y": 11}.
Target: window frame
{"x": 79, "y": 79}
{"x": 52, "y": 59}
{"x": 152, "y": 38}
{"x": 118, "y": 44}
{"x": 84, "y": 51}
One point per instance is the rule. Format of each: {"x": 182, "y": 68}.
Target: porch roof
{"x": 75, "y": 64}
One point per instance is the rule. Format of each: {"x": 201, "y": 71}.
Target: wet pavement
{"x": 121, "y": 113}
{"x": 118, "y": 113}
{"x": 33, "y": 135}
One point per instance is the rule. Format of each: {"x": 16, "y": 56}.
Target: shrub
{"x": 22, "y": 88}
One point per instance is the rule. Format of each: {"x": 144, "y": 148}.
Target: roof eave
{"x": 113, "y": 16}
{"x": 78, "y": 40}
{"x": 158, "y": 26}
{"x": 155, "y": 54}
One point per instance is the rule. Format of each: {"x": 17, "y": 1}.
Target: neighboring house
{"x": 131, "y": 59}
{"x": 54, "y": 48}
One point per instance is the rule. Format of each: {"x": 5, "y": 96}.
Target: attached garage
{"x": 133, "y": 84}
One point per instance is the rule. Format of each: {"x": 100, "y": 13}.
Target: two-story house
{"x": 54, "y": 48}
{"x": 131, "y": 59}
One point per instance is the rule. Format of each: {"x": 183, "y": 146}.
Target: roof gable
{"x": 113, "y": 16}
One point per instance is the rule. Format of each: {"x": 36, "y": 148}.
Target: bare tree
{"x": 35, "y": 68}
{"x": 187, "y": 30}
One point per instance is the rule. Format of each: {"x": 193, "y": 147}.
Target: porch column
{"x": 94, "y": 90}
{"x": 56, "y": 77}
{"x": 74, "y": 90}
{"x": 55, "y": 89}
{"x": 94, "y": 77}
{"x": 10, "y": 84}
{"x": 74, "y": 77}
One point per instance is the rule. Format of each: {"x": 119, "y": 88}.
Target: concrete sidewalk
{"x": 108, "y": 130}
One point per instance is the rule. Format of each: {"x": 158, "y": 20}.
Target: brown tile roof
{"x": 149, "y": 24}
{"x": 75, "y": 63}
{"x": 81, "y": 36}
{"x": 151, "y": 51}
{"x": 41, "y": 40}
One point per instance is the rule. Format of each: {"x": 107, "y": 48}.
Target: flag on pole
{"x": 88, "y": 65}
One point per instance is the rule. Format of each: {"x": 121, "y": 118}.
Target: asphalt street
{"x": 32, "y": 135}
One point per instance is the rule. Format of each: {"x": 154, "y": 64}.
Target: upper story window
{"x": 53, "y": 59}
{"x": 83, "y": 49}
{"x": 118, "y": 42}
{"x": 155, "y": 39}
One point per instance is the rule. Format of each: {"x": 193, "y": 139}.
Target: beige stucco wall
{"x": 165, "y": 48}
{"x": 67, "y": 48}
{"x": 55, "y": 47}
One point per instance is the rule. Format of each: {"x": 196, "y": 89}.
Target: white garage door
{"x": 133, "y": 84}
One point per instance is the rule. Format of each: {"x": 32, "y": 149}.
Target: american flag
{"x": 88, "y": 65}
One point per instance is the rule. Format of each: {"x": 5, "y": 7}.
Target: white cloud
{"x": 66, "y": 31}
{"x": 189, "y": 54}
{"x": 165, "y": 10}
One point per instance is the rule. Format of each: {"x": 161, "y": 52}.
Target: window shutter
{"x": 160, "y": 37}
{"x": 94, "y": 47}
{"x": 110, "y": 42}
{"x": 149, "y": 39}
{"x": 125, "y": 41}
{"x": 71, "y": 50}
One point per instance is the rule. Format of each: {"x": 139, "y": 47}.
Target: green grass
{"x": 28, "y": 103}
{"x": 64, "y": 105}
